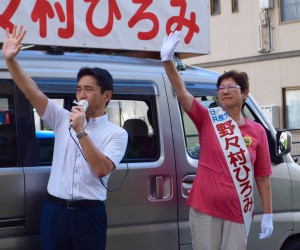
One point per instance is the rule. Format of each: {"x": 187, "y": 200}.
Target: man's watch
{"x": 82, "y": 133}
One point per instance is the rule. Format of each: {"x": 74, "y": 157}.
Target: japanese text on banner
{"x": 120, "y": 24}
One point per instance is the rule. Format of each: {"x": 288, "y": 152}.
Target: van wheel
{"x": 292, "y": 245}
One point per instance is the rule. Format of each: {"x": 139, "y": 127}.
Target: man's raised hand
{"x": 12, "y": 42}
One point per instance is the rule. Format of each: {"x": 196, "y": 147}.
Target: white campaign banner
{"x": 110, "y": 24}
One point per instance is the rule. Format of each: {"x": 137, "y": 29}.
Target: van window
{"x": 135, "y": 113}
{"x": 44, "y": 137}
{"x": 138, "y": 117}
{"x": 191, "y": 133}
{"x": 8, "y": 139}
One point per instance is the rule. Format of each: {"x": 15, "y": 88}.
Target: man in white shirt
{"x": 87, "y": 149}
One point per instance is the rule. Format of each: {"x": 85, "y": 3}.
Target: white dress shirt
{"x": 71, "y": 176}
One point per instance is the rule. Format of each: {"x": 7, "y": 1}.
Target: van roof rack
{"x": 179, "y": 63}
{"x": 55, "y": 50}
{"x": 60, "y": 50}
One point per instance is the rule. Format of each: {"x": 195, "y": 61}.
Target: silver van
{"x": 147, "y": 195}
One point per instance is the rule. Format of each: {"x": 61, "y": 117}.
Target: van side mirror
{"x": 283, "y": 142}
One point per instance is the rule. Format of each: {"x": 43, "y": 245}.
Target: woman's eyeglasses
{"x": 229, "y": 87}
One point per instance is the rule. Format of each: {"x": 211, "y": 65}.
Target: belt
{"x": 74, "y": 204}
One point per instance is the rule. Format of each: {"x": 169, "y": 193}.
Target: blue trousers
{"x": 73, "y": 229}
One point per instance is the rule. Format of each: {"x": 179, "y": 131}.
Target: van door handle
{"x": 159, "y": 187}
{"x": 188, "y": 178}
{"x": 159, "y": 183}
{"x": 187, "y": 182}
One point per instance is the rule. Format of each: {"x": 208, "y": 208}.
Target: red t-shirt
{"x": 213, "y": 191}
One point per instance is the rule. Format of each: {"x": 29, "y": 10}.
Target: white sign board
{"x": 110, "y": 24}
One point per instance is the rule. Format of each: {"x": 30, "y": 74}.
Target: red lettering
{"x": 113, "y": 10}
{"x": 181, "y": 21}
{"x": 67, "y": 32}
{"x": 232, "y": 141}
{"x": 141, "y": 15}
{"x": 225, "y": 128}
{"x": 8, "y": 13}
{"x": 41, "y": 11}
{"x": 246, "y": 187}
{"x": 241, "y": 177}
{"x": 237, "y": 157}
{"x": 249, "y": 204}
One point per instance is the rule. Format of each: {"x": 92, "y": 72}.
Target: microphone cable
{"x": 100, "y": 178}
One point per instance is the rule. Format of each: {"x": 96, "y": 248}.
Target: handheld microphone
{"x": 84, "y": 104}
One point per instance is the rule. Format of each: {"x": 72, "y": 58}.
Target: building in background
{"x": 262, "y": 38}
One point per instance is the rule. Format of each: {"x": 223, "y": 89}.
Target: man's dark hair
{"x": 103, "y": 77}
{"x": 241, "y": 79}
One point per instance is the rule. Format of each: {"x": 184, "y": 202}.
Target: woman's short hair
{"x": 241, "y": 78}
